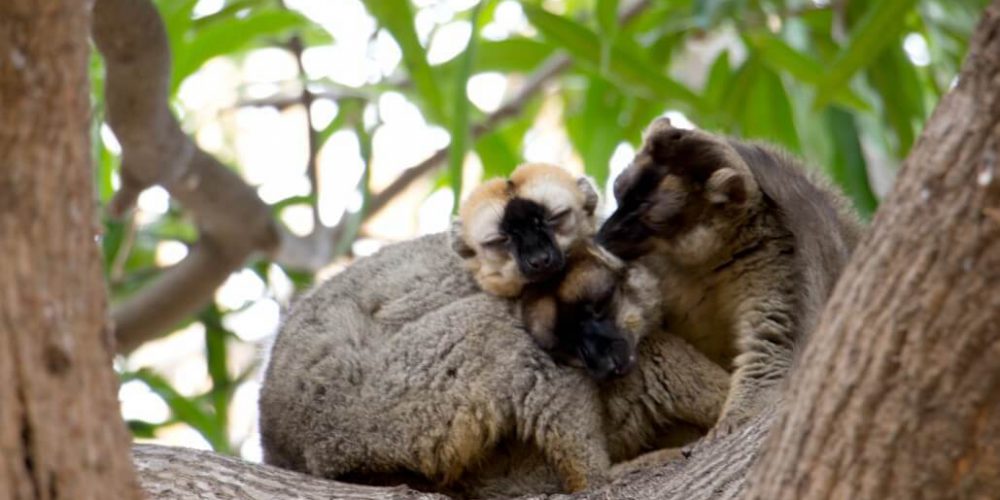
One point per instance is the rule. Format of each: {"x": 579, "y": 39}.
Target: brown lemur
{"x": 746, "y": 244}
{"x": 402, "y": 365}
{"x": 520, "y": 229}
{"x": 531, "y": 236}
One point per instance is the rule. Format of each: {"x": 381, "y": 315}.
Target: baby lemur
{"x": 401, "y": 364}
{"x": 747, "y": 248}
{"x": 518, "y": 237}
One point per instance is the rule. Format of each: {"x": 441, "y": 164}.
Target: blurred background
{"x": 318, "y": 104}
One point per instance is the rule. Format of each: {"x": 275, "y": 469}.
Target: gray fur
{"x": 400, "y": 364}
{"x": 744, "y": 277}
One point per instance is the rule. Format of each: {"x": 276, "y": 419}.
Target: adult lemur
{"x": 401, "y": 365}
{"x": 746, "y": 246}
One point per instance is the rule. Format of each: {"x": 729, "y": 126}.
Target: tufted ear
{"x": 590, "y": 197}
{"x": 457, "y": 240}
{"x": 663, "y": 141}
{"x": 726, "y": 185}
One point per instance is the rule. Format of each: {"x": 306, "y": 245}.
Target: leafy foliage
{"x": 847, "y": 89}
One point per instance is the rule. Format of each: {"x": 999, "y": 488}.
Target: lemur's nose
{"x": 539, "y": 261}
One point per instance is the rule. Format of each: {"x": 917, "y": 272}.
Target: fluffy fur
{"x": 479, "y": 236}
{"x": 400, "y": 367}
{"x": 747, "y": 247}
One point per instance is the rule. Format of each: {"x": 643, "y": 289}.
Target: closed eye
{"x": 497, "y": 242}
{"x": 559, "y": 216}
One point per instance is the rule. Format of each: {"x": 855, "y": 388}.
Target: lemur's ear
{"x": 726, "y": 185}
{"x": 457, "y": 241}
{"x": 590, "y": 197}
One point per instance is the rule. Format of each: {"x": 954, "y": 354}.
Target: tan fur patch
{"x": 670, "y": 182}
{"x": 484, "y": 206}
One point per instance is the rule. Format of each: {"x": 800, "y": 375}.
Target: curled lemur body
{"x": 746, "y": 245}
{"x": 401, "y": 364}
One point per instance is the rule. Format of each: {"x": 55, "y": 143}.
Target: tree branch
{"x": 715, "y": 471}
{"x": 182, "y": 473}
{"x": 232, "y": 220}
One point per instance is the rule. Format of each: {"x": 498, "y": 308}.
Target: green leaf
{"x": 499, "y": 150}
{"x": 142, "y": 429}
{"x": 715, "y": 84}
{"x": 625, "y": 67}
{"x": 350, "y": 111}
{"x": 848, "y": 167}
{"x": 396, "y": 16}
{"x": 511, "y": 55}
{"x": 779, "y": 56}
{"x": 460, "y": 112}
{"x": 881, "y": 25}
{"x": 217, "y": 359}
{"x": 704, "y": 11}
{"x": 229, "y": 36}
{"x": 230, "y": 10}
{"x": 177, "y": 18}
{"x": 637, "y": 115}
{"x": 498, "y": 158}
{"x": 594, "y": 127}
{"x": 738, "y": 91}
{"x": 896, "y": 80}
{"x": 107, "y": 166}
{"x": 111, "y": 240}
{"x": 284, "y": 203}
{"x": 768, "y": 112}
{"x": 607, "y": 16}
{"x": 184, "y": 409}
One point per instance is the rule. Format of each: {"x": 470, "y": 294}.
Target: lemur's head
{"x": 519, "y": 230}
{"x": 681, "y": 193}
{"x": 596, "y": 315}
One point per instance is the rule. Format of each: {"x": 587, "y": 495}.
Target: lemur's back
{"x": 333, "y": 332}
{"x": 401, "y": 362}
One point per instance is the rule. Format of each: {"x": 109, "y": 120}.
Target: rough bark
{"x": 898, "y": 395}
{"x": 61, "y": 435}
{"x": 181, "y": 474}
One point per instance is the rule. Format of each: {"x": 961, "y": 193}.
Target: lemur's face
{"x": 602, "y": 310}
{"x": 518, "y": 231}
{"x": 681, "y": 186}
{"x": 586, "y": 326}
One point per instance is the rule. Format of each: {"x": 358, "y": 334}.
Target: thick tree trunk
{"x": 898, "y": 395}
{"x": 61, "y": 435}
